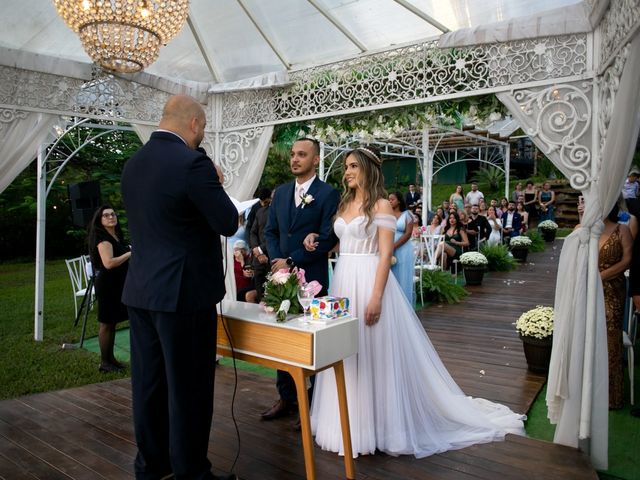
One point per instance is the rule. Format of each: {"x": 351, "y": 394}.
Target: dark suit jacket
{"x": 481, "y": 225}
{"x": 288, "y": 226}
{"x": 257, "y": 236}
{"x": 177, "y": 210}
{"x": 410, "y": 198}
{"x": 516, "y": 225}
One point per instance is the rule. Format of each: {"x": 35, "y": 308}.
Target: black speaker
{"x": 84, "y": 198}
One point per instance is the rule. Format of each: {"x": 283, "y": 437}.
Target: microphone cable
{"x": 235, "y": 369}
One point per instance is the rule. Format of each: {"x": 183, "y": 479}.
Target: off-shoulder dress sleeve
{"x": 386, "y": 221}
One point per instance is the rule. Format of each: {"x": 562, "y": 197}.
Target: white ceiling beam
{"x": 427, "y": 18}
{"x": 213, "y": 67}
{"x": 264, "y": 35}
{"x": 329, "y": 16}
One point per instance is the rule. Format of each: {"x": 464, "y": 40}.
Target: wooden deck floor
{"x": 87, "y": 433}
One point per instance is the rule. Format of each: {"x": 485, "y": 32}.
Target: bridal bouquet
{"x": 281, "y": 292}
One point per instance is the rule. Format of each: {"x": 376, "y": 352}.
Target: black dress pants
{"x": 172, "y": 377}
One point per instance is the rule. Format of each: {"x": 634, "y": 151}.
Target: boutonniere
{"x": 305, "y": 200}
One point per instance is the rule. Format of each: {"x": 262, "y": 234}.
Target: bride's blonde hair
{"x": 371, "y": 181}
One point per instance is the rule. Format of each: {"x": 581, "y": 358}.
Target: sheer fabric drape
{"x": 577, "y": 391}
{"x": 21, "y": 133}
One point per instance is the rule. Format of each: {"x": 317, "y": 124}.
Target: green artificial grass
{"x": 123, "y": 353}
{"x": 624, "y": 434}
{"x": 29, "y": 366}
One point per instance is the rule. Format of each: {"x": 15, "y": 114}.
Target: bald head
{"x": 184, "y": 115}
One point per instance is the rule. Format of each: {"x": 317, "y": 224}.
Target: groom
{"x": 306, "y": 205}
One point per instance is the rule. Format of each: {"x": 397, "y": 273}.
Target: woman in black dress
{"x": 530, "y": 200}
{"x": 109, "y": 257}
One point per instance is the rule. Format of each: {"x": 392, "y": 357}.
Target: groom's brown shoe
{"x": 279, "y": 409}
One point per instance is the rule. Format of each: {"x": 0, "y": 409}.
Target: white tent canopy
{"x": 566, "y": 70}
{"x": 230, "y": 40}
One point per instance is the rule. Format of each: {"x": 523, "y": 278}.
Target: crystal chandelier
{"x": 124, "y": 35}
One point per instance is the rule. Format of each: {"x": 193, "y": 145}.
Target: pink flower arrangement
{"x": 281, "y": 292}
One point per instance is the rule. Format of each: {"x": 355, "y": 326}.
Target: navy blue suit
{"x": 288, "y": 226}
{"x": 516, "y": 225}
{"x": 286, "y": 230}
{"x": 177, "y": 210}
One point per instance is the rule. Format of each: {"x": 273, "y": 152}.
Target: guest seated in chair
{"x": 478, "y": 228}
{"x": 455, "y": 239}
{"x": 511, "y": 223}
{"x": 243, "y": 272}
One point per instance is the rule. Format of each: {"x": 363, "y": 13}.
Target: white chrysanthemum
{"x": 473, "y": 258}
{"x": 537, "y": 322}
{"x": 520, "y": 241}
{"x": 547, "y": 225}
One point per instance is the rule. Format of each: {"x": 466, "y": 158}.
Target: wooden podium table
{"x": 300, "y": 349}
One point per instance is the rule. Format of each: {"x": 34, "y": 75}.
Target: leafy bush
{"x": 437, "y": 287}
{"x": 492, "y": 176}
{"x": 498, "y": 257}
{"x": 537, "y": 242}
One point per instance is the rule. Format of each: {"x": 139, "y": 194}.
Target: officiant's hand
{"x": 372, "y": 313}
{"x": 310, "y": 243}
{"x": 279, "y": 264}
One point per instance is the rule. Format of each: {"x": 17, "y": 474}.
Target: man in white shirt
{"x": 474, "y": 196}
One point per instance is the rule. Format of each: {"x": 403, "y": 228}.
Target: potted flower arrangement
{"x": 519, "y": 247}
{"x": 474, "y": 264}
{"x": 281, "y": 292}
{"x": 536, "y": 332}
{"x": 548, "y": 229}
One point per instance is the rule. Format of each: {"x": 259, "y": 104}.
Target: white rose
{"x": 280, "y": 278}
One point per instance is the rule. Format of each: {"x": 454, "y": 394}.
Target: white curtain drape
{"x": 577, "y": 391}
{"x": 242, "y": 155}
{"x": 143, "y": 131}
{"x": 21, "y": 133}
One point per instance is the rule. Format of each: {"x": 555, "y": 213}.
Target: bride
{"x": 401, "y": 398}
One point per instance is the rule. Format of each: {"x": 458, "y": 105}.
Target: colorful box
{"x": 323, "y": 308}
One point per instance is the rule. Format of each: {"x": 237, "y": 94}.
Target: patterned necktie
{"x": 299, "y": 194}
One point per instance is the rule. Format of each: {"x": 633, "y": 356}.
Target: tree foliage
{"x": 100, "y": 160}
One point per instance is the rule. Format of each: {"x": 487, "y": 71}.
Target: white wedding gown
{"x": 401, "y": 398}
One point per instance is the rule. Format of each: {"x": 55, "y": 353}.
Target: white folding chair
{"x": 77, "y": 268}
{"x": 418, "y": 266}
{"x": 629, "y": 340}
{"x": 430, "y": 245}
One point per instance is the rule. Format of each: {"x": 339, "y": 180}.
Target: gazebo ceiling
{"x": 230, "y": 40}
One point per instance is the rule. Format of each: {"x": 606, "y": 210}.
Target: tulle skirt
{"x": 401, "y": 398}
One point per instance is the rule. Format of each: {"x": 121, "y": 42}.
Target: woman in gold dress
{"x": 614, "y": 257}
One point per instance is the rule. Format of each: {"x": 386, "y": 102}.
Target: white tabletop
{"x": 252, "y": 312}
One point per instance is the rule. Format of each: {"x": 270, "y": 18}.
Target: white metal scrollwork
{"x": 412, "y": 74}
{"x": 234, "y": 152}
{"x": 609, "y": 83}
{"x": 8, "y": 115}
{"x": 562, "y": 116}
{"x": 616, "y": 25}
{"x": 105, "y": 98}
